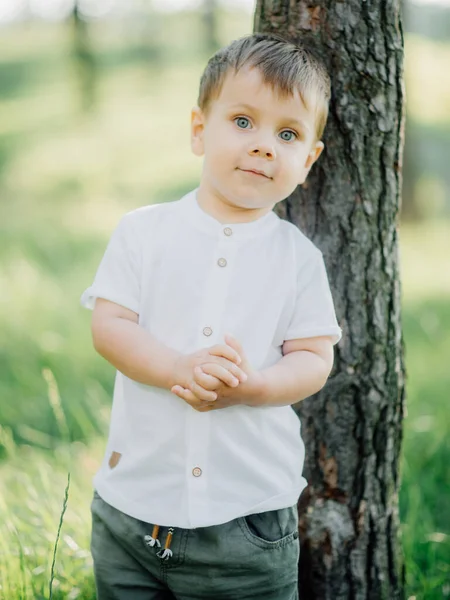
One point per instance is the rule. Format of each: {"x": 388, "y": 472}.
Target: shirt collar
{"x": 208, "y": 224}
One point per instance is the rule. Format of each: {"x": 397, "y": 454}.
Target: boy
{"x": 218, "y": 316}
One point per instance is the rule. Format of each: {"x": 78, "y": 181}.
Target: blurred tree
{"x": 84, "y": 59}
{"x": 411, "y": 171}
{"x": 349, "y": 523}
{"x": 409, "y": 209}
{"x": 209, "y": 14}
{"x": 426, "y": 147}
{"x": 146, "y": 23}
{"x": 430, "y": 19}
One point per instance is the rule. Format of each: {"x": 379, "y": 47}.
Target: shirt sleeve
{"x": 314, "y": 313}
{"x": 118, "y": 275}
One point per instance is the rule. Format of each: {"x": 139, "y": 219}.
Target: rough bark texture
{"x": 348, "y": 206}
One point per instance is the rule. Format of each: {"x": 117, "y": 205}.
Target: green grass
{"x": 426, "y": 449}
{"x": 65, "y": 179}
{"x": 32, "y": 486}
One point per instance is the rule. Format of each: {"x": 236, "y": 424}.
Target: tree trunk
{"x": 211, "y": 35}
{"x": 349, "y": 522}
{"x": 84, "y": 60}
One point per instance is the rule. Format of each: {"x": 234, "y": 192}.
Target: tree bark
{"x": 349, "y": 205}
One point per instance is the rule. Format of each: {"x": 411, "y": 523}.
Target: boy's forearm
{"x": 294, "y": 377}
{"x": 136, "y": 353}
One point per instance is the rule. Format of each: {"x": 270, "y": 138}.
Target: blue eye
{"x": 288, "y": 135}
{"x": 242, "y": 122}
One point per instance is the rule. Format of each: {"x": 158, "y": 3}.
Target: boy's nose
{"x": 263, "y": 151}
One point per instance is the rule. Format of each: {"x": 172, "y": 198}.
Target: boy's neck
{"x": 225, "y": 211}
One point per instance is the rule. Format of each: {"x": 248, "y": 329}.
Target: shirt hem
{"x": 117, "y": 501}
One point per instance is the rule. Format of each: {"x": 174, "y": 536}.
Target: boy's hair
{"x": 285, "y": 66}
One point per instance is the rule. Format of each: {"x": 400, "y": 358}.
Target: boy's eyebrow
{"x": 292, "y": 120}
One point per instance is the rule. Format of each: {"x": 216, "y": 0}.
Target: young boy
{"x": 218, "y": 316}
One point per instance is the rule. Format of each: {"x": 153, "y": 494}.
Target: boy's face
{"x": 258, "y": 146}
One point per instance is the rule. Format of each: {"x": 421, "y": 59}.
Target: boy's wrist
{"x": 256, "y": 393}
{"x": 177, "y": 370}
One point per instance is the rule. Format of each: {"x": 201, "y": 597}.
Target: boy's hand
{"x": 208, "y": 377}
{"x": 224, "y": 362}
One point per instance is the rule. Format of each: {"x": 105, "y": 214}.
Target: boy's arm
{"x": 302, "y": 372}
{"x": 118, "y": 337}
{"x": 137, "y": 354}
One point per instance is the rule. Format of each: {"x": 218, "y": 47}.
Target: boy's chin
{"x": 246, "y": 202}
{"x": 246, "y": 197}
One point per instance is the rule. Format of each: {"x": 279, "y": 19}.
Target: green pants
{"x": 253, "y": 557}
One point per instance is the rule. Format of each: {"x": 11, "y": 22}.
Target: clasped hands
{"x": 217, "y": 377}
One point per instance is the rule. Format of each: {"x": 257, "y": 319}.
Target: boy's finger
{"x": 187, "y": 395}
{"x": 230, "y": 367}
{"x": 226, "y": 352}
{"x": 223, "y": 363}
{"x": 233, "y": 342}
{"x": 179, "y": 391}
{"x": 223, "y": 374}
{"x": 191, "y": 399}
{"x": 200, "y": 393}
{"x": 184, "y": 393}
{"x": 236, "y": 345}
{"x": 209, "y": 382}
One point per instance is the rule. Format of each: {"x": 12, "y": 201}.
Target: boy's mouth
{"x": 255, "y": 172}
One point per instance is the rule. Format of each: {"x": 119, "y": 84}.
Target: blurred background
{"x": 94, "y": 121}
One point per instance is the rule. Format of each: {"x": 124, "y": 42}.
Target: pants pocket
{"x": 271, "y": 529}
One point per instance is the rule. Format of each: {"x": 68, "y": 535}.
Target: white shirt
{"x": 191, "y": 279}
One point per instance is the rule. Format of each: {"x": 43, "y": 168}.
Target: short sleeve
{"x": 313, "y": 313}
{"x": 118, "y": 275}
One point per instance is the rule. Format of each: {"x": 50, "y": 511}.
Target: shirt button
{"x": 196, "y": 472}
{"x": 228, "y": 231}
{"x": 222, "y": 262}
{"x": 207, "y": 331}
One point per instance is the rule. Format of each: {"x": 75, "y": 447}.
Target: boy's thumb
{"x": 232, "y": 341}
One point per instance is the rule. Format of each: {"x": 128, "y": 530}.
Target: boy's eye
{"x": 242, "y": 122}
{"x": 287, "y": 135}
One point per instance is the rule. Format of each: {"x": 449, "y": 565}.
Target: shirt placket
{"x": 210, "y": 333}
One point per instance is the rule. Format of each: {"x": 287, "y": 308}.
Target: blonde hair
{"x": 284, "y": 66}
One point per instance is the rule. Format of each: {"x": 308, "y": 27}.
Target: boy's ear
{"x": 314, "y": 154}
{"x": 197, "y": 130}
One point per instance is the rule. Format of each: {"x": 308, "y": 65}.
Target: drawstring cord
{"x": 152, "y": 540}
{"x": 167, "y": 552}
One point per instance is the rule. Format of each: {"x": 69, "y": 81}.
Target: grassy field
{"x": 65, "y": 178}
